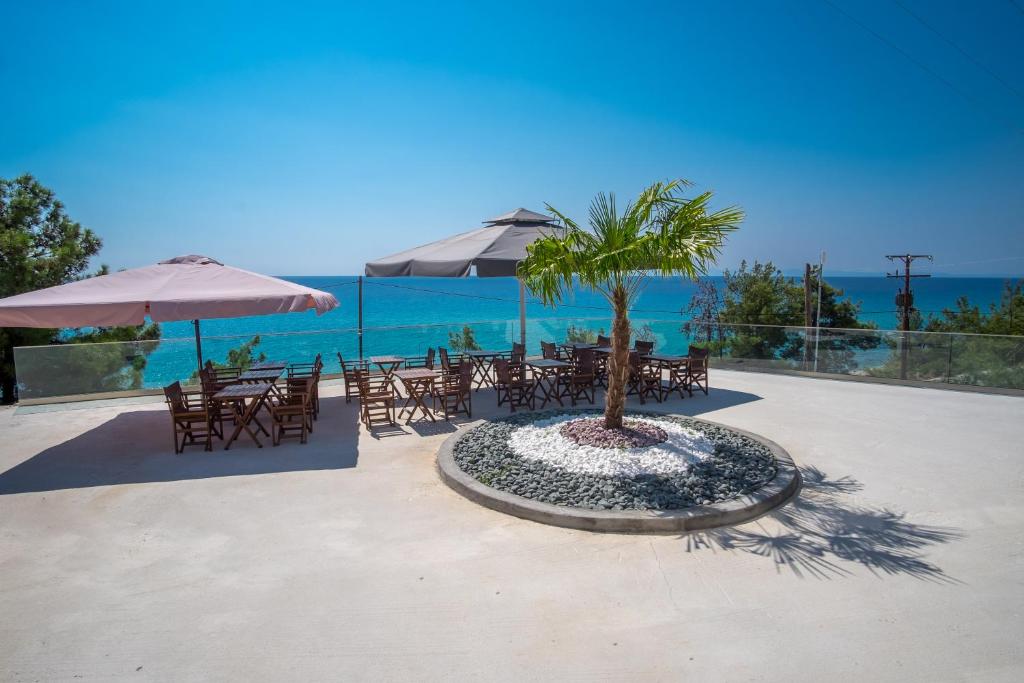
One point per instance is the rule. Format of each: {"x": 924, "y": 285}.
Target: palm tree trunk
{"x": 618, "y": 362}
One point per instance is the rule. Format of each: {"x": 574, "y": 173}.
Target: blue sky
{"x": 309, "y": 140}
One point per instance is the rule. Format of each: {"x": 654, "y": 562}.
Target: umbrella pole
{"x": 360, "y": 317}
{"x": 199, "y": 344}
{"x": 522, "y": 312}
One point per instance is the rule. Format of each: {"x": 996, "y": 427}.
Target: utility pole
{"x": 905, "y": 301}
{"x": 817, "y": 316}
{"x": 807, "y": 316}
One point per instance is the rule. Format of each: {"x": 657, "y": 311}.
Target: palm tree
{"x": 661, "y": 232}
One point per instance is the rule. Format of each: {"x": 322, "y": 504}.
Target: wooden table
{"x": 387, "y": 364}
{"x": 256, "y": 376}
{"x": 418, "y": 383}
{"x": 483, "y": 365}
{"x": 678, "y": 368}
{"x": 572, "y": 346}
{"x": 548, "y": 378}
{"x": 244, "y": 400}
{"x": 269, "y": 365}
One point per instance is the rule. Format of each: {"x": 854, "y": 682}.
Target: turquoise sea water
{"x": 405, "y": 305}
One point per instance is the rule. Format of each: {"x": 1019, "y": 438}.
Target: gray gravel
{"x": 738, "y": 466}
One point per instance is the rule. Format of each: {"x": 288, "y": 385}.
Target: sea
{"x": 406, "y": 315}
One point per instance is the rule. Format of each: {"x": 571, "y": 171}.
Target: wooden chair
{"x": 644, "y": 379}
{"x": 376, "y": 399}
{"x": 518, "y": 354}
{"x": 454, "y": 392}
{"x": 292, "y": 410}
{"x": 426, "y": 362}
{"x": 512, "y": 386}
{"x": 550, "y": 351}
{"x": 581, "y": 379}
{"x": 603, "y": 340}
{"x": 697, "y": 369}
{"x": 225, "y": 374}
{"x": 309, "y": 371}
{"x": 450, "y": 363}
{"x": 348, "y": 372}
{"x": 644, "y": 348}
{"x": 190, "y": 417}
{"x": 220, "y": 411}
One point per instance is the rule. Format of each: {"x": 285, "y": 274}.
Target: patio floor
{"x": 347, "y": 558}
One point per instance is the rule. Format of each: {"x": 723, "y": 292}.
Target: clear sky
{"x": 307, "y": 141}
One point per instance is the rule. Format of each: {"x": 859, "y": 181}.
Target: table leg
{"x": 242, "y": 420}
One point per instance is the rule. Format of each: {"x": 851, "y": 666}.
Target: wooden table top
{"x": 485, "y": 354}
{"x": 269, "y": 365}
{"x": 260, "y": 375}
{"x": 602, "y": 349}
{"x": 547, "y": 363}
{"x": 378, "y": 360}
{"x": 417, "y": 373}
{"x": 235, "y": 391}
{"x": 665, "y": 358}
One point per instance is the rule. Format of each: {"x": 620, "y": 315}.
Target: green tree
{"x": 662, "y": 231}
{"x": 243, "y": 356}
{"x": 983, "y": 348}
{"x": 463, "y": 341}
{"x": 763, "y": 317}
{"x": 41, "y": 246}
{"x": 581, "y": 335}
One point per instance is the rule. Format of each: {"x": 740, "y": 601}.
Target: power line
{"x": 959, "y": 49}
{"x": 927, "y": 69}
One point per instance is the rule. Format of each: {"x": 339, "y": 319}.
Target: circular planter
{"x": 773, "y": 494}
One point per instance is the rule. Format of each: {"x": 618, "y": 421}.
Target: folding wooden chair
{"x": 426, "y": 362}
{"x": 644, "y": 379}
{"x": 697, "y": 369}
{"x": 581, "y": 379}
{"x": 311, "y": 371}
{"x": 550, "y": 351}
{"x": 644, "y": 348}
{"x": 512, "y": 386}
{"x": 454, "y": 393}
{"x": 348, "y": 372}
{"x": 376, "y": 399}
{"x": 292, "y": 410}
{"x": 190, "y": 417}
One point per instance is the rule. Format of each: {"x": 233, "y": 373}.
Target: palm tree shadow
{"x": 823, "y": 534}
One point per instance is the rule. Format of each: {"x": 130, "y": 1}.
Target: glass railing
{"x": 983, "y": 360}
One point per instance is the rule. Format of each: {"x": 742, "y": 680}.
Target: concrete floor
{"x": 348, "y": 559}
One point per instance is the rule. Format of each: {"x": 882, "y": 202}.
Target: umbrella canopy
{"x": 182, "y": 288}
{"x": 495, "y": 250}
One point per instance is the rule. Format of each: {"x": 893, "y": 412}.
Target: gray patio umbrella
{"x": 495, "y": 249}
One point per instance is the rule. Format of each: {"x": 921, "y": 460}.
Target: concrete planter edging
{"x": 772, "y": 495}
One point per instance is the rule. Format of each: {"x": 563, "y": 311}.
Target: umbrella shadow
{"x": 823, "y": 533}
{"x": 135, "y": 447}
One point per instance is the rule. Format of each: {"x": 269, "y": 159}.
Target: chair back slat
{"x": 603, "y": 340}
{"x": 175, "y": 399}
{"x": 549, "y": 350}
{"x": 644, "y": 347}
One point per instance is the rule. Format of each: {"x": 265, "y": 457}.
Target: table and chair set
{"x": 391, "y": 388}
{"x": 285, "y": 394}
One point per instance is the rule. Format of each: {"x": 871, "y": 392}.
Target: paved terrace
{"x": 347, "y": 558}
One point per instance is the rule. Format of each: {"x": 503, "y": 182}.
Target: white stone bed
{"x": 542, "y": 441}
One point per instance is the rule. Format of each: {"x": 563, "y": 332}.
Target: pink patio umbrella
{"x": 182, "y": 288}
